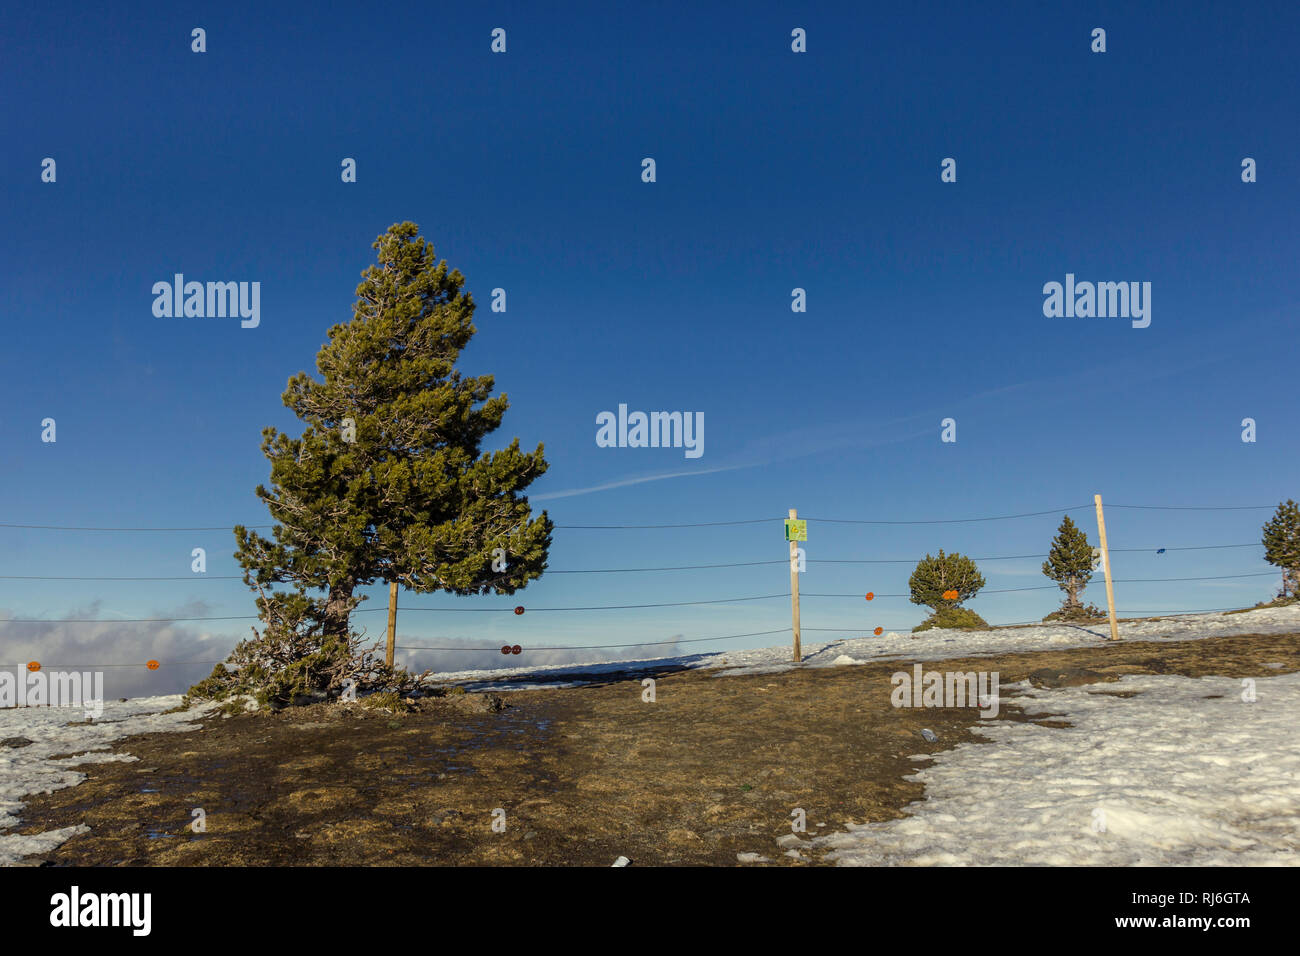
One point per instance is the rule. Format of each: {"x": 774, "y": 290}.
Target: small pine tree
{"x": 1069, "y": 563}
{"x": 1282, "y": 544}
{"x": 934, "y": 577}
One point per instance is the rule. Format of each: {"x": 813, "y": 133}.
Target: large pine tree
{"x": 388, "y": 480}
{"x": 1281, "y": 539}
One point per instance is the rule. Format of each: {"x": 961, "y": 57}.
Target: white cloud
{"x": 119, "y": 649}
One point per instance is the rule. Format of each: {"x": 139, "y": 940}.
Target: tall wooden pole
{"x": 794, "y": 591}
{"x": 1105, "y": 563}
{"x": 392, "y": 621}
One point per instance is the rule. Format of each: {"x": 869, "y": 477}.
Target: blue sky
{"x": 775, "y": 170}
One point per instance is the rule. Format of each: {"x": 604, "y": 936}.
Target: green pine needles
{"x": 1069, "y": 564}
{"x": 942, "y": 583}
{"x": 387, "y": 482}
{"x": 1281, "y": 540}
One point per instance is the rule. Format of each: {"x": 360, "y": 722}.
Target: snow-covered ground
{"x": 1186, "y": 772}
{"x": 1226, "y": 788}
{"x": 34, "y": 768}
{"x": 926, "y": 646}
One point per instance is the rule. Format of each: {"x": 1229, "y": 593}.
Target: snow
{"x": 933, "y": 645}
{"x": 940, "y": 644}
{"x": 38, "y": 768}
{"x": 1186, "y": 773}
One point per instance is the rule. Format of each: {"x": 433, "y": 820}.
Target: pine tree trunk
{"x": 336, "y": 609}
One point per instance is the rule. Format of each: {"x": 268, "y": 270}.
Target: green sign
{"x": 796, "y": 529}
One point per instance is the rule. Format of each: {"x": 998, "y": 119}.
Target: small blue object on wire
{"x": 1160, "y": 551}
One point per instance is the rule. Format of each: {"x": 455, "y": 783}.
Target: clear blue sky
{"x": 775, "y": 170}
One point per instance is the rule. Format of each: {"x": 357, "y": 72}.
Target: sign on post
{"x": 795, "y": 530}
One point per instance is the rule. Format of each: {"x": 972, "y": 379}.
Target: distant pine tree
{"x": 1069, "y": 563}
{"x": 935, "y": 577}
{"x": 942, "y": 583}
{"x": 1282, "y": 545}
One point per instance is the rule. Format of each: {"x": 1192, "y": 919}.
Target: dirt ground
{"x": 711, "y": 769}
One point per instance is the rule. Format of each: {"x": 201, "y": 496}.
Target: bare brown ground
{"x": 713, "y": 768}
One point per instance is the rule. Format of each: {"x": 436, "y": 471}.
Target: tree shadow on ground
{"x": 586, "y": 675}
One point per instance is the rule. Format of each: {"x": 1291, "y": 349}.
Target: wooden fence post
{"x": 1105, "y": 564}
{"x": 392, "y": 621}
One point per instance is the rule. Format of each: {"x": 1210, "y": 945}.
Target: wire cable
{"x": 368, "y": 610}
{"x": 1196, "y": 507}
{"x": 1052, "y": 587}
{"x": 1027, "y": 514}
{"x": 681, "y": 567}
{"x": 583, "y": 647}
{"x": 697, "y": 524}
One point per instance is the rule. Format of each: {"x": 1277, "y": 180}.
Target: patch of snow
{"x": 54, "y": 731}
{"x": 1185, "y": 773}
